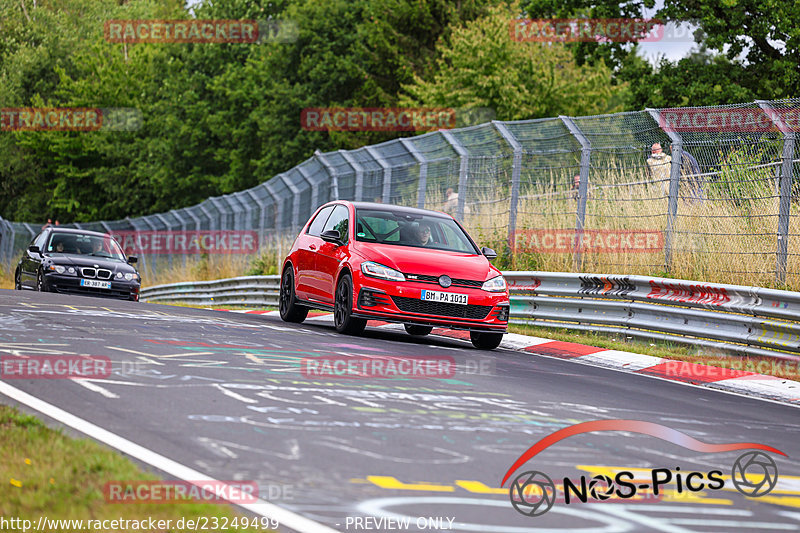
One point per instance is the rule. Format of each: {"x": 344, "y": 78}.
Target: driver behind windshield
{"x": 424, "y": 234}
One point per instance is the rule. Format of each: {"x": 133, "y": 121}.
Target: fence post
{"x": 423, "y": 171}
{"x": 784, "y": 207}
{"x": 386, "y": 193}
{"x": 358, "y": 195}
{"x": 278, "y": 207}
{"x": 334, "y": 194}
{"x": 166, "y": 227}
{"x": 295, "y": 198}
{"x": 516, "y": 171}
{"x": 462, "y": 171}
{"x": 262, "y": 213}
{"x": 583, "y": 186}
{"x": 674, "y": 184}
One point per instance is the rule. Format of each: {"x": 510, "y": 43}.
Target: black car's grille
{"x": 412, "y": 305}
{"x": 435, "y": 279}
{"x": 99, "y": 273}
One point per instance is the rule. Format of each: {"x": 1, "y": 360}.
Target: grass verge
{"x": 48, "y": 474}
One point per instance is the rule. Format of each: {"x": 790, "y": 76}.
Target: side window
{"x": 319, "y": 221}
{"x": 40, "y": 240}
{"x": 455, "y": 241}
{"x": 339, "y": 221}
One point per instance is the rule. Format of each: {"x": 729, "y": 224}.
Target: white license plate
{"x": 446, "y": 297}
{"x": 96, "y": 284}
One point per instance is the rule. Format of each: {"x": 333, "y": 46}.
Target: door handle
{"x": 312, "y": 246}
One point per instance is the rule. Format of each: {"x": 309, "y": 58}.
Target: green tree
{"x": 481, "y": 66}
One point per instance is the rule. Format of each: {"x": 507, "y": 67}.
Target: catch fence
{"x": 717, "y": 203}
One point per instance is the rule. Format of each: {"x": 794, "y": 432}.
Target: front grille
{"x": 102, "y": 273}
{"x": 435, "y": 279}
{"x": 412, "y": 305}
{"x": 89, "y": 273}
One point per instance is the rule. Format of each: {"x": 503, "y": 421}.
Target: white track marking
{"x": 94, "y": 388}
{"x": 263, "y": 508}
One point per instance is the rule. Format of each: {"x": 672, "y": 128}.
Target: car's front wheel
{"x": 485, "y": 341}
{"x": 41, "y": 284}
{"x": 17, "y": 280}
{"x": 290, "y": 311}
{"x": 417, "y": 330}
{"x": 343, "y": 308}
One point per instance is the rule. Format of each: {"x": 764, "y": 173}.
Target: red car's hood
{"x": 410, "y": 260}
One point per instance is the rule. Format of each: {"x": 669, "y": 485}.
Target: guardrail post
{"x": 334, "y": 194}
{"x": 359, "y": 192}
{"x": 784, "y": 207}
{"x": 423, "y": 171}
{"x": 463, "y": 175}
{"x": 674, "y": 184}
{"x": 516, "y": 171}
{"x": 386, "y": 193}
{"x": 583, "y": 186}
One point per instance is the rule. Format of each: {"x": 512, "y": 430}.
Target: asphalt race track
{"x": 223, "y": 394}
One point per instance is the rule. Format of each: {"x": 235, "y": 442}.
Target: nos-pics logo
{"x": 533, "y": 493}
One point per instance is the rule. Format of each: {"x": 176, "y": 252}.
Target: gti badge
{"x": 445, "y": 281}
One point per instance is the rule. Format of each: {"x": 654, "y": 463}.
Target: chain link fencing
{"x": 696, "y": 193}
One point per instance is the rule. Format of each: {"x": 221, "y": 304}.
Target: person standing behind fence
{"x": 451, "y": 202}
{"x": 659, "y": 164}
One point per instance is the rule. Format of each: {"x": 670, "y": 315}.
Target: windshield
{"x": 91, "y": 245}
{"x": 411, "y": 229}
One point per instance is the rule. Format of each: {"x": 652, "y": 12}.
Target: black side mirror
{"x": 34, "y": 249}
{"x": 132, "y": 259}
{"x": 489, "y": 253}
{"x": 331, "y": 235}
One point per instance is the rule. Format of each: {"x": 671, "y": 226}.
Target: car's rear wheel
{"x": 17, "y": 280}
{"x": 290, "y": 311}
{"x": 417, "y": 330}
{"x": 343, "y": 308}
{"x": 485, "y": 341}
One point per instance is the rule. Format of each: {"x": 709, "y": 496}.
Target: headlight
{"x": 129, "y": 276}
{"x": 496, "y": 284}
{"x": 71, "y": 270}
{"x": 119, "y": 275}
{"x": 58, "y": 268}
{"x": 377, "y": 270}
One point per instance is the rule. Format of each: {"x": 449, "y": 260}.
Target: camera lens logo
{"x": 601, "y": 488}
{"x": 754, "y": 474}
{"x": 532, "y": 493}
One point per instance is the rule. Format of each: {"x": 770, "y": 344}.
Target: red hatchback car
{"x": 399, "y": 264}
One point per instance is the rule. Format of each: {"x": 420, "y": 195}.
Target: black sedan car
{"x": 77, "y": 262}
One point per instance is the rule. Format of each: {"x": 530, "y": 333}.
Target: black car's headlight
{"x": 61, "y": 269}
{"x": 377, "y": 270}
{"x": 496, "y": 284}
{"x": 128, "y": 276}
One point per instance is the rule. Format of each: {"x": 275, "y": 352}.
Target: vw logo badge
{"x": 445, "y": 281}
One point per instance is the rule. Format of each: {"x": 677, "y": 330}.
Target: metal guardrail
{"x": 246, "y": 290}
{"x": 734, "y": 318}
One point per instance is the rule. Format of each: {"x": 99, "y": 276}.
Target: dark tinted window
{"x": 319, "y": 221}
